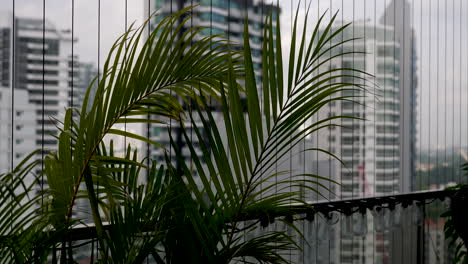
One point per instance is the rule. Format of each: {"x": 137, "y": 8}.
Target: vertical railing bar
{"x": 190, "y": 106}
{"x": 43, "y": 104}
{"x": 290, "y": 151}
{"x": 446, "y": 177}
{"x": 453, "y": 90}
{"x": 375, "y": 115}
{"x": 170, "y": 119}
{"x": 364, "y": 109}
{"x": 126, "y": 28}
{"x": 460, "y": 87}
{"x": 70, "y": 251}
{"x": 365, "y": 98}
{"x": 413, "y": 151}
{"x": 13, "y": 36}
{"x": 98, "y": 83}
{"x": 148, "y": 116}
{"x": 402, "y": 88}
{"x": 341, "y": 108}
{"x": 437, "y": 81}
{"x": 430, "y": 88}
{"x": 330, "y": 234}
{"x": 385, "y": 112}
{"x": 303, "y": 195}
{"x": 354, "y": 110}
{"x": 72, "y": 52}
{"x": 317, "y": 155}
{"x": 393, "y": 78}
{"x": 318, "y": 72}
{"x": 329, "y": 108}
{"x": 420, "y": 92}
{"x": 413, "y": 92}
{"x": 342, "y": 167}
{"x": 398, "y": 98}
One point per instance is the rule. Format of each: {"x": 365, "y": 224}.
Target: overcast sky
{"x": 442, "y": 59}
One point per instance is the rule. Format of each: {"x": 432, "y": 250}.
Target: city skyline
{"x": 431, "y": 134}
{"x": 415, "y": 99}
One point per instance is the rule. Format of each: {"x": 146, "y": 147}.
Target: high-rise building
{"x": 22, "y": 128}
{"x": 377, "y": 153}
{"x": 219, "y": 17}
{"x": 398, "y": 15}
{"x": 370, "y": 150}
{"x": 87, "y": 72}
{"x": 35, "y": 59}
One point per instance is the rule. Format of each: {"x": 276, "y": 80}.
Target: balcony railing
{"x": 401, "y": 228}
{"x": 387, "y": 205}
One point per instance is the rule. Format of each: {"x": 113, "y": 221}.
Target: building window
{"x": 46, "y": 102}
{"x": 47, "y": 122}
{"x": 387, "y": 141}
{"x": 39, "y": 62}
{"x": 349, "y": 140}
{"x": 388, "y": 51}
{"x": 46, "y": 72}
{"x": 382, "y": 153}
{"x": 388, "y": 164}
{"x": 213, "y": 17}
{"x": 388, "y": 106}
{"x": 388, "y": 118}
{"x": 45, "y": 92}
{"x": 385, "y": 188}
{"x": 212, "y": 31}
{"x": 387, "y": 129}
{"x": 46, "y": 142}
{"x": 45, "y": 82}
{"x": 388, "y": 67}
{"x": 156, "y": 131}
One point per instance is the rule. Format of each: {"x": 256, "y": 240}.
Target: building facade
{"x": 219, "y": 17}
{"x": 87, "y": 73}
{"x": 37, "y": 73}
{"x": 378, "y": 151}
{"x": 16, "y": 148}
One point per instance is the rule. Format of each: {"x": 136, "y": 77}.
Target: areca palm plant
{"x": 195, "y": 211}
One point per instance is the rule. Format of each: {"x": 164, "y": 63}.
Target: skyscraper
{"x": 377, "y": 153}
{"x": 219, "y": 17}
{"x": 35, "y": 59}
{"x": 87, "y": 72}
{"x": 13, "y": 150}
{"x": 370, "y": 150}
{"x": 398, "y": 15}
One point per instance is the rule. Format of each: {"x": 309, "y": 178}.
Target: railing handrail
{"x": 347, "y": 206}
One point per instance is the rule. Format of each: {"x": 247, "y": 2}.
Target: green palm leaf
{"x": 238, "y": 169}
{"x": 22, "y": 222}
{"x": 154, "y": 80}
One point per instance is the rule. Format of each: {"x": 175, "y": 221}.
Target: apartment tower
{"x": 220, "y": 17}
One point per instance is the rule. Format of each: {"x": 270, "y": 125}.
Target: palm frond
{"x": 22, "y": 222}
{"x": 238, "y": 172}
{"x": 155, "y": 80}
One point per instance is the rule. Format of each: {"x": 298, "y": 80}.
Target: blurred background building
{"x": 219, "y": 17}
